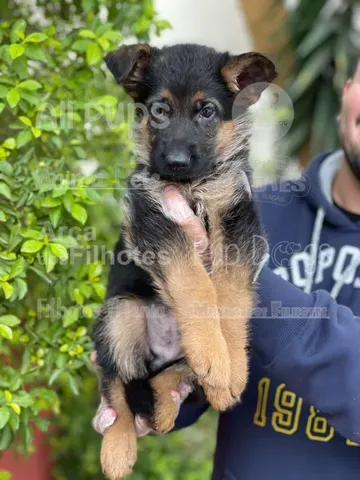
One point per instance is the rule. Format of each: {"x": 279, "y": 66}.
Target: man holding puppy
{"x": 300, "y": 414}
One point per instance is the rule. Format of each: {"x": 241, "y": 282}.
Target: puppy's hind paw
{"x": 118, "y": 451}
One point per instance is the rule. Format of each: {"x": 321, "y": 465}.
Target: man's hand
{"x": 176, "y": 208}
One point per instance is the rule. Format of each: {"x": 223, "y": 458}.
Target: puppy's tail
{"x": 119, "y": 446}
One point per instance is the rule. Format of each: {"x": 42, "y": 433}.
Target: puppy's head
{"x": 184, "y": 96}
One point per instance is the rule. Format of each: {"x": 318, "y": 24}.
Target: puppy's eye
{"x": 207, "y": 112}
{"x": 159, "y": 109}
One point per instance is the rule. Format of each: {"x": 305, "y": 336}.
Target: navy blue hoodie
{"x": 299, "y": 417}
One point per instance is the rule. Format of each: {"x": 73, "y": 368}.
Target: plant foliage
{"x": 324, "y": 38}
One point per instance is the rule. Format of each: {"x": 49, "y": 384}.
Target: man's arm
{"x": 314, "y": 349}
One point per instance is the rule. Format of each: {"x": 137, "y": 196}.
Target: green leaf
{"x": 31, "y": 246}
{"x": 319, "y": 33}
{"x": 10, "y": 143}
{"x": 6, "y": 331}
{"x": 5, "y": 191}
{"x": 5, "y": 438}
{"x": 2, "y": 106}
{"x": 3, "y": 91}
{"x": 54, "y": 375}
{"x": 42, "y": 424}
{"x": 31, "y": 233}
{"x": 35, "y": 52}
{"x": 73, "y": 385}
{"x": 311, "y": 70}
{"x": 71, "y": 316}
{"x": 112, "y": 35}
{"x": 2, "y": 216}
{"x": 16, "y": 50}
{"x": 100, "y": 290}
{"x": 8, "y": 290}
{"x": 5, "y": 475}
{"x": 105, "y": 44}
{"x": 50, "y": 260}
{"x": 80, "y": 45}
{"x": 13, "y": 97}
{"x": 4, "y": 416}
{"x": 10, "y": 321}
{"x": 14, "y": 423}
{"x": 50, "y": 202}
{"x": 19, "y": 66}
{"x": 18, "y": 30}
{"x": 55, "y": 215}
{"x": 79, "y": 213}
{"x": 36, "y": 132}
{"x": 68, "y": 202}
{"x": 59, "y": 250}
{"x": 66, "y": 240}
{"x": 17, "y": 268}
{"x": 21, "y": 288}
{"x": 35, "y": 38}
{"x": 95, "y": 270}
{"x": 93, "y": 54}
{"x": 6, "y": 167}
{"x": 87, "y": 33}
{"x": 30, "y": 85}
{"x": 87, "y": 5}
{"x": 23, "y": 138}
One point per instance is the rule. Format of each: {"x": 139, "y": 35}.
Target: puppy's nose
{"x": 178, "y": 159}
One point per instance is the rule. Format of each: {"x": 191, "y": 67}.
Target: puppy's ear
{"x": 128, "y": 64}
{"x": 249, "y": 73}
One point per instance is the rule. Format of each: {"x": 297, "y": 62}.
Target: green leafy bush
{"x": 65, "y": 153}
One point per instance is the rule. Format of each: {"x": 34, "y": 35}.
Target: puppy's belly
{"x": 163, "y": 336}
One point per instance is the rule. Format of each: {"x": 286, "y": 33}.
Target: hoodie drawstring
{"x": 314, "y": 246}
{"x": 312, "y": 266}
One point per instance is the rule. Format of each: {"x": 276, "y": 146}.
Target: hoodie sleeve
{"x": 312, "y": 344}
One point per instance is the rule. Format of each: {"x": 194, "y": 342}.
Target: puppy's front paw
{"x": 220, "y": 398}
{"x": 118, "y": 451}
{"x": 239, "y": 373}
{"x": 211, "y": 364}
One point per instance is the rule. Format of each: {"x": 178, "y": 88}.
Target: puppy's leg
{"x": 193, "y": 300}
{"x": 119, "y": 447}
{"x": 235, "y": 302}
{"x": 177, "y": 377}
{"x": 238, "y": 249}
{"x": 120, "y": 339}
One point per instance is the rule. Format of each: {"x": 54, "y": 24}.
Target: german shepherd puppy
{"x": 187, "y": 137}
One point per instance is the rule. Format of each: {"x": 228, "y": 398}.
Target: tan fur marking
{"x": 125, "y": 329}
{"x": 225, "y": 137}
{"x": 165, "y": 407}
{"x": 119, "y": 447}
{"x": 167, "y": 95}
{"x": 192, "y": 298}
{"x": 229, "y": 72}
{"x": 235, "y": 303}
{"x": 198, "y": 97}
{"x": 143, "y": 141}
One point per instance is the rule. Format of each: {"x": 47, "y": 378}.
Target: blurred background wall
{"x": 219, "y": 24}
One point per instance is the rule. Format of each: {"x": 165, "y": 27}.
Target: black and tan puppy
{"x": 186, "y": 136}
